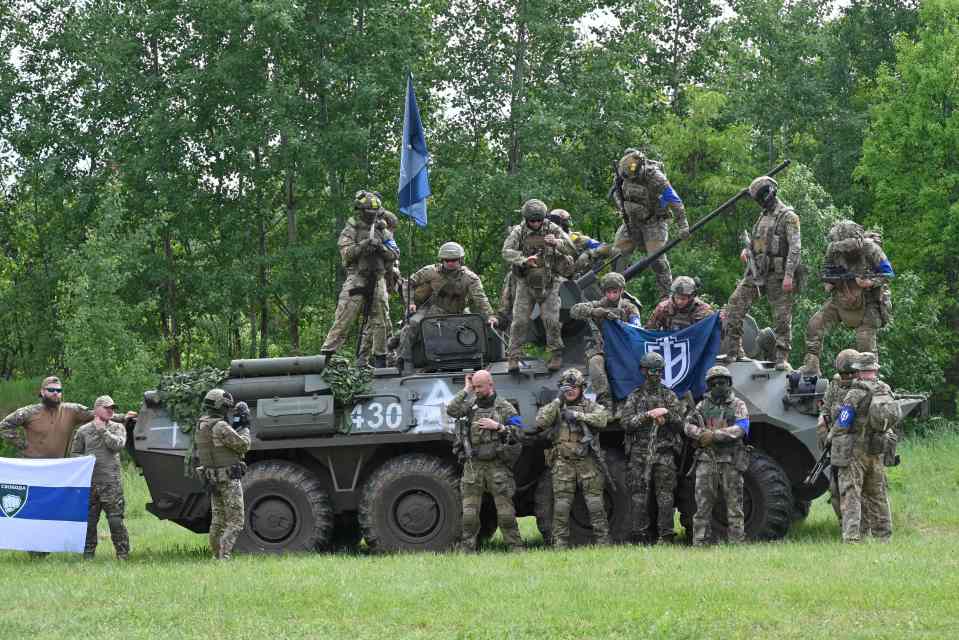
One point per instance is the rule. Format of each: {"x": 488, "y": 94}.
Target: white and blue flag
{"x": 44, "y": 503}
{"x": 414, "y": 161}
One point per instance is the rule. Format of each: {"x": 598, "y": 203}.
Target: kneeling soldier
{"x": 487, "y": 444}
{"x": 721, "y": 422}
{"x": 574, "y": 455}
{"x": 104, "y": 439}
{"x": 221, "y": 448}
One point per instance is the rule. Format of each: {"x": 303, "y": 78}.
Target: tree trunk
{"x": 292, "y": 241}
{"x": 518, "y": 90}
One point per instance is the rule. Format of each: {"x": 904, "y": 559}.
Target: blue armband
{"x": 516, "y": 421}
{"x": 885, "y": 269}
{"x": 593, "y": 244}
{"x": 847, "y": 415}
{"x": 743, "y": 423}
{"x": 391, "y": 245}
{"x": 668, "y": 196}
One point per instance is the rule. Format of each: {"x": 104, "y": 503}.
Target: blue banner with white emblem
{"x": 688, "y": 353}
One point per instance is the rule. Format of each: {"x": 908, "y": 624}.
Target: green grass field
{"x": 810, "y": 586}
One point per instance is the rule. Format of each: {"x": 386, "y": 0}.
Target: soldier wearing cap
{"x": 681, "y": 309}
{"x": 538, "y": 252}
{"x": 445, "y": 288}
{"x": 772, "y": 268}
{"x": 104, "y": 440}
{"x": 367, "y": 250}
{"x": 612, "y": 306}
{"x": 45, "y": 429}
{"x": 220, "y": 448}
{"x": 720, "y": 424}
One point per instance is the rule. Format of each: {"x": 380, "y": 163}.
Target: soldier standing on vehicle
{"x": 835, "y": 392}
{"x": 861, "y": 428}
{"x": 612, "y": 306}
{"x": 856, "y": 275}
{"x": 220, "y": 448}
{"x": 653, "y": 420}
{"x": 538, "y": 252}
{"x": 772, "y": 267}
{"x": 393, "y": 279}
{"x": 681, "y": 309}
{"x": 447, "y": 287}
{"x": 571, "y": 423}
{"x": 104, "y": 440}
{"x": 720, "y": 423}
{"x": 367, "y": 250}
{"x": 488, "y": 446}
{"x": 645, "y": 198}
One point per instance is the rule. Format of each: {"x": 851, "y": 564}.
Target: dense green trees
{"x": 174, "y": 174}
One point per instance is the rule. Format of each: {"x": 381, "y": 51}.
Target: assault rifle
{"x": 835, "y": 273}
{"x": 820, "y": 466}
{"x": 616, "y": 195}
{"x": 369, "y": 290}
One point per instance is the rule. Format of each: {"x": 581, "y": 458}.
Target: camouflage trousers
{"x": 651, "y": 236}
{"x": 863, "y": 499}
{"x": 568, "y": 473}
{"x": 710, "y": 478}
{"x": 865, "y": 321}
{"x": 107, "y": 497}
{"x": 350, "y": 305}
{"x": 662, "y": 484}
{"x": 226, "y": 504}
{"x": 373, "y": 330}
{"x": 598, "y": 380}
{"x": 549, "y": 304}
{"x": 506, "y": 298}
{"x": 497, "y": 479}
{"x": 743, "y": 298}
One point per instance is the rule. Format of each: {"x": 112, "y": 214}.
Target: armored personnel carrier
{"x": 321, "y": 475}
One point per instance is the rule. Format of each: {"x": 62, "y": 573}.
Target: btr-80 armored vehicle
{"x": 322, "y": 475}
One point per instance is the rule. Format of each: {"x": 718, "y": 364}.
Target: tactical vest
{"x": 533, "y": 242}
{"x": 450, "y": 290}
{"x": 719, "y": 416}
{"x": 770, "y": 245}
{"x": 487, "y": 445}
{"x": 640, "y": 201}
{"x": 210, "y": 455}
{"x": 568, "y": 438}
{"x": 369, "y": 263}
{"x": 677, "y": 319}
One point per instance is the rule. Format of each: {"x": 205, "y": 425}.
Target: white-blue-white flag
{"x": 44, "y": 503}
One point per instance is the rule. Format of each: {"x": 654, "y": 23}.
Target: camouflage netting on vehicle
{"x": 182, "y": 394}
{"x": 347, "y": 381}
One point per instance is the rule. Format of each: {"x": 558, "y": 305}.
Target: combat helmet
{"x": 652, "y": 361}
{"x": 612, "y": 280}
{"x": 632, "y": 164}
{"x": 845, "y": 230}
{"x": 451, "y": 251}
{"x": 366, "y": 200}
{"x": 572, "y": 378}
{"x": 762, "y": 189}
{"x": 844, "y": 360}
{"x": 718, "y": 371}
{"x": 534, "y": 209}
{"x": 865, "y": 361}
{"x": 218, "y": 400}
{"x": 683, "y": 285}
{"x": 560, "y": 217}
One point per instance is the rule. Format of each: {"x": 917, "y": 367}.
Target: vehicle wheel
{"x": 287, "y": 510}
{"x": 800, "y": 509}
{"x": 347, "y": 534}
{"x": 767, "y": 502}
{"x": 411, "y": 503}
{"x": 580, "y": 530}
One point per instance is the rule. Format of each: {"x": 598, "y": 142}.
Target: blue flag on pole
{"x": 688, "y": 353}
{"x": 414, "y": 161}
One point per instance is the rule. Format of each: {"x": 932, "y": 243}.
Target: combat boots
{"x": 782, "y": 360}
{"x": 555, "y": 361}
{"x": 512, "y": 365}
{"x": 811, "y": 365}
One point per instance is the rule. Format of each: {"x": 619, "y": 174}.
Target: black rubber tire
{"x": 580, "y": 531}
{"x": 767, "y": 502}
{"x": 800, "y": 509}
{"x": 411, "y": 503}
{"x": 347, "y": 534}
{"x": 286, "y": 510}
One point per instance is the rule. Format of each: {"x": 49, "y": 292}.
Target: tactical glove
{"x": 598, "y": 313}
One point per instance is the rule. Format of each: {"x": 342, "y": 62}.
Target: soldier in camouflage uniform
{"x": 538, "y": 252}
{"x": 612, "y": 306}
{"x": 588, "y": 250}
{"x": 393, "y": 279}
{"x": 220, "y": 449}
{"x": 104, "y": 440}
{"x": 835, "y": 392}
{"x": 645, "y": 198}
{"x": 366, "y": 258}
{"x": 653, "y": 420}
{"x": 772, "y": 268}
{"x": 487, "y": 444}
{"x": 569, "y": 422}
{"x": 681, "y": 309}
{"x": 444, "y": 288}
{"x": 720, "y": 423}
{"x": 857, "y": 454}
{"x": 859, "y": 298}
